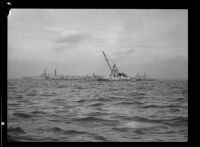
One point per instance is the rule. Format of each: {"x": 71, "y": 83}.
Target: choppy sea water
{"x": 94, "y": 111}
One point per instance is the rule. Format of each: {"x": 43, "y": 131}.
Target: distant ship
{"x": 116, "y": 75}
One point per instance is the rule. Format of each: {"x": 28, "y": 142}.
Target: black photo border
{"x": 193, "y": 47}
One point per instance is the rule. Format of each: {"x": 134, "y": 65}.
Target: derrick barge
{"x": 115, "y": 75}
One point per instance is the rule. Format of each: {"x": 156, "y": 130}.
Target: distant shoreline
{"x": 160, "y": 79}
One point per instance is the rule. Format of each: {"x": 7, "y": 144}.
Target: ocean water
{"x": 97, "y": 111}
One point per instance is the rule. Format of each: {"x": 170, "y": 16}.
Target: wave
{"x": 54, "y": 120}
{"x": 62, "y": 86}
{"x": 96, "y": 119}
{"x": 152, "y": 106}
{"x": 160, "y": 106}
{"x": 12, "y": 139}
{"x": 139, "y": 119}
{"x": 82, "y": 101}
{"x": 185, "y": 91}
{"x": 143, "y": 119}
{"x": 19, "y": 97}
{"x": 170, "y": 122}
{"x": 122, "y": 117}
{"x": 178, "y": 121}
{"x": 97, "y": 114}
{"x": 175, "y": 110}
{"x": 38, "y": 112}
{"x": 15, "y": 130}
{"x": 85, "y": 119}
{"x": 80, "y": 88}
{"x": 32, "y": 94}
{"x": 49, "y": 94}
{"x": 96, "y": 105}
{"x": 14, "y": 104}
{"x": 23, "y": 115}
{"x": 120, "y": 129}
{"x": 57, "y": 101}
{"x": 127, "y": 103}
{"x": 56, "y": 129}
{"x": 140, "y": 126}
{"x": 101, "y": 99}
{"x": 69, "y": 132}
{"x": 101, "y": 138}
{"x": 136, "y": 94}
{"x": 180, "y": 99}
{"x": 139, "y": 132}
{"x": 74, "y": 132}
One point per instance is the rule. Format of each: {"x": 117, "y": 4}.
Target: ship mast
{"x": 107, "y": 61}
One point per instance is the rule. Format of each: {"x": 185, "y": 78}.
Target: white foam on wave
{"x": 135, "y": 124}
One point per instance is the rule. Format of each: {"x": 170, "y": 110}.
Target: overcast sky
{"x": 72, "y": 41}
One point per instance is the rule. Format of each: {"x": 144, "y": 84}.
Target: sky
{"x": 154, "y": 41}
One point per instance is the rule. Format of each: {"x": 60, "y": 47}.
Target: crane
{"x": 107, "y": 61}
{"x": 114, "y": 71}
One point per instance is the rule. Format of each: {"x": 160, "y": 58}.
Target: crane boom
{"x": 107, "y": 61}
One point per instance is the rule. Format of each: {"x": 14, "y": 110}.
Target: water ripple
{"x": 42, "y": 110}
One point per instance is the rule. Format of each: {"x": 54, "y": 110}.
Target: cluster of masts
{"x": 69, "y": 77}
{"x": 115, "y": 74}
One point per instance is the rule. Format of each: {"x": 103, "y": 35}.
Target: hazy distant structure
{"x": 114, "y": 71}
{"x": 115, "y": 75}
